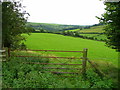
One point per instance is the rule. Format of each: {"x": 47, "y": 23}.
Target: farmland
{"x": 92, "y": 29}
{"x": 97, "y": 29}
{"x": 26, "y": 72}
{"x": 93, "y": 32}
{"x": 97, "y": 50}
{"x": 20, "y": 75}
{"x": 63, "y": 47}
{"x": 95, "y": 36}
{"x": 50, "y": 27}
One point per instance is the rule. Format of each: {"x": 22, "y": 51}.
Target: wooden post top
{"x": 85, "y": 49}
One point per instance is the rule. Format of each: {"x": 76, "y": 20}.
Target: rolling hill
{"x": 53, "y": 27}
{"x": 97, "y": 50}
{"x": 93, "y": 32}
{"x": 92, "y": 29}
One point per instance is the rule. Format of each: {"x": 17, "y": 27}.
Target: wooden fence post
{"x": 8, "y": 52}
{"x": 84, "y": 62}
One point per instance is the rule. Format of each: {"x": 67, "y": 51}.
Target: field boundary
{"x": 7, "y": 53}
{"x": 82, "y": 70}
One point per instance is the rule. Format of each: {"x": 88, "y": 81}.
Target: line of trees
{"x": 71, "y": 33}
{"x": 77, "y": 34}
{"x": 53, "y": 27}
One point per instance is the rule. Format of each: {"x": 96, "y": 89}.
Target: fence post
{"x": 84, "y": 62}
{"x": 8, "y": 52}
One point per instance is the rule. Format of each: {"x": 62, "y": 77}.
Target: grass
{"x": 103, "y": 56}
{"x": 17, "y": 74}
{"x": 97, "y": 51}
{"x": 74, "y": 30}
{"x": 97, "y": 29}
{"x": 97, "y": 36}
{"x": 94, "y": 29}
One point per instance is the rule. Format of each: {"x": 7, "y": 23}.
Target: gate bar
{"x": 61, "y": 72}
{"x": 51, "y": 63}
{"x": 50, "y": 57}
{"x": 59, "y": 68}
{"x": 48, "y": 50}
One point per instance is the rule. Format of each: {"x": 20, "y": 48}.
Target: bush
{"x": 97, "y": 82}
{"x": 16, "y": 74}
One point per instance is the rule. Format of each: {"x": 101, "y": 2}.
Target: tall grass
{"x": 17, "y": 74}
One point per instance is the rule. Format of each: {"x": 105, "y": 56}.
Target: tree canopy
{"x": 13, "y": 24}
{"x": 111, "y": 19}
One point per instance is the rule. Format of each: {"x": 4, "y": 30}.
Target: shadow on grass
{"x": 110, "y": 70}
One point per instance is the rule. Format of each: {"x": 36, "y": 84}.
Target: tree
{"x": 77, "y": 34}
{"x": 81, "y": 28}
{"x": 111, "y": 19}
{"x": 64, "y": 32}
{"x": 13, "y": 24}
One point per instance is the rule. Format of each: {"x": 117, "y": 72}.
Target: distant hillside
{"x": 92, "y": 29}
{"x": 95, "y": 29}
{"x": 53, "y": 27}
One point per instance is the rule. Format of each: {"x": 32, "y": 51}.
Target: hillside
{"x": 92, "y": 29}
{"x": 50, "y": 41}
{"x": 18, "y": 73}
{"x": 53, "y": 27}
{"x": 94, "y": 32}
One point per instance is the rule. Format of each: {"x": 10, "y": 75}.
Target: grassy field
{"x": 97, "y": 29}
{"x": 97, "y": 36}
{"x": 92, "y": 32}
{"x": 74, "y": 30}
{"x": 17, "y": 73}
{"x": 97, "y": 51}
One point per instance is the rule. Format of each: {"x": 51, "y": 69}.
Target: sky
{"x": 70, "y": 12}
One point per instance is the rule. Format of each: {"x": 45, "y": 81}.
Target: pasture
{"x": 97, "y": 51}
{"x": 97, "y": 36}
{"x": 96, "y": 29}
{"x": 18, "y": 74}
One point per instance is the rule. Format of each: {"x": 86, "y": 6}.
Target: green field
{"x": 17, "y": 73}
{"x": 97, "y": 36}
{"x": 97, "y": 51}
{"x": 74, "y": 30}
{"x": 92, "y": 32}
{"x": 97, "y": 29}
{"x": 94, "y": 29}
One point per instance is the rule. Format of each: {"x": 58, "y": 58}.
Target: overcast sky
{"x": 74, "y": 12}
